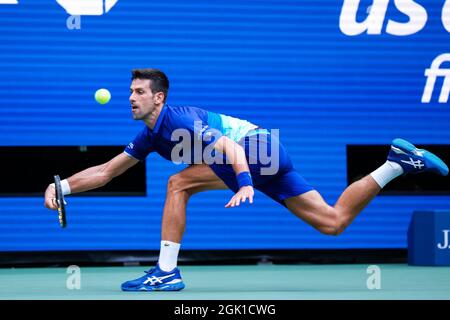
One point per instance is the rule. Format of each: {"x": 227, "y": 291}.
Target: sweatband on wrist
{"x": 244, "y": 179}
{"x": 65, "y": 188}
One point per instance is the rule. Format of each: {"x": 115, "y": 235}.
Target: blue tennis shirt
{"x": 201, "y": 129}
{"x": 176, "y": 124}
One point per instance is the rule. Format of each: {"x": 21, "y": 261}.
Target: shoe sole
{"x": 172, "y": 287}
{"x": 435, "y": 161}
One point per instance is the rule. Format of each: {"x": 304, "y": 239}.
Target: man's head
{"x": 149, "y": 88}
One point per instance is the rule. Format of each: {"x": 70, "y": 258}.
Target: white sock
{"x": 168, "y": 255}
{"x": 386, "y": 173}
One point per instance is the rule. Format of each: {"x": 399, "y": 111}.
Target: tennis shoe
{"x": 156, "y": 280}
{"x": 414, "y": 160}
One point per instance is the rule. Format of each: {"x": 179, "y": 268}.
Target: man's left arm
{"x": 236, "y": 155}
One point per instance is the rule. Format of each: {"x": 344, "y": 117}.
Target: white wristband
{"x": 65, "y": 187}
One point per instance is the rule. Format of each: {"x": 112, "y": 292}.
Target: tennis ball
{"x": 102, "y": 96}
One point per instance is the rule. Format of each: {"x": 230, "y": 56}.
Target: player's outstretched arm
{"x": 92, "y": 178}
{"x": 236, "y": 154}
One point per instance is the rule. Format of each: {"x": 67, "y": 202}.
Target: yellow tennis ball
{"x": 102, "y": 96}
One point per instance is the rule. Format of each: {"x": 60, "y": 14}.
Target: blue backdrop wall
{"x": 291, "y": 65}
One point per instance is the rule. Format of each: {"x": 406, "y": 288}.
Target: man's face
{"x": 142, "y": 101}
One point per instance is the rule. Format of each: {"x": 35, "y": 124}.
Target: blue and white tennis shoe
{"x": 414, "y": 160}
{"x": 156, "y": 280}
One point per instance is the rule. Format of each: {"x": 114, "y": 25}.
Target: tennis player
{"x": 228, "y": 161}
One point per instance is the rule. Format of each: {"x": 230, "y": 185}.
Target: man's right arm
{"x": 93, "y": 177}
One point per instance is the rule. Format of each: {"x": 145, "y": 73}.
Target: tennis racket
{"x": 60, "y": 202}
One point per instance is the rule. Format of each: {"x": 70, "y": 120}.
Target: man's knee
{"x": 335, "y": 225}
{"x": 176, "y": 184}
{"x": 332, "y": 230}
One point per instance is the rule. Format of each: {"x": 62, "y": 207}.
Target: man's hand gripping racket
{"x": 60, "y": 202}
{"x": 54, "y": 199}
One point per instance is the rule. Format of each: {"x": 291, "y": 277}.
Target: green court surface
{"x": 249, "y": 282}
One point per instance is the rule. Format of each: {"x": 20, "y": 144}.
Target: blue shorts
{"x": 277, "y": 179}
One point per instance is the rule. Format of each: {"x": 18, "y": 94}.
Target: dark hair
{"x": 159, "y": 81}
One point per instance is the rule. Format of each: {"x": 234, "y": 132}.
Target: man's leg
{"x": 403, "y": 158}
{"x": 180, "y": 188}
{"x": 313, "y": 209}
